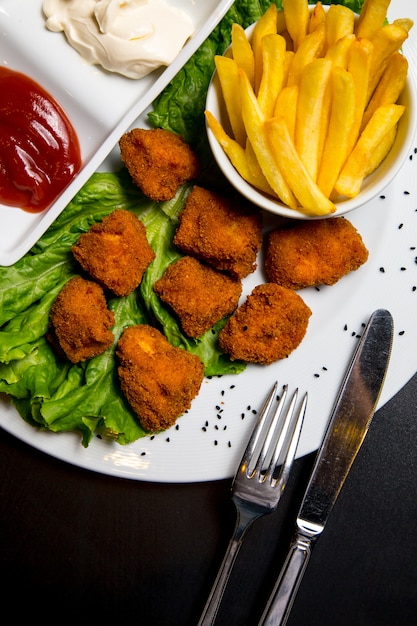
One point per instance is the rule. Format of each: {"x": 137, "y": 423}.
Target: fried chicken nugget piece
{"x": 158, "y": 160}
{"x": 158, "y": 380}
{"x": 198, "y": 294}
{"x": 224, "y": 232}
{"x": 268, "y": 326}
{"x": 115, "y": 252}
{"x": 80, "y": 321}
{"x": 318, "y": 252}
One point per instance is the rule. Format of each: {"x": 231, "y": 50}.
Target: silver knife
{"x": 348, "y": 425}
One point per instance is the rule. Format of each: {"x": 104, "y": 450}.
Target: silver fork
{"x": 260, "y": 479}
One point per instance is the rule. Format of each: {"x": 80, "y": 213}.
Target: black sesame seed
{"x": 406, "y": 193}
{"x": 168, "y": 439}
{"x": 248, "y": 408}
{"x": 382, "y": 270}
{"x": 401, "y": 333}
{"x": 403, "y": 269}
{"x": 414, "y": 288}
{"x": 400, "y": 226}
{"x": 216, "y": 427}
{"x": 215, "y": 442}
{"x": 382, "y": 197}
{"x": 242, "y": 415}
{"x": 143, "y": 454}
{"x": 177, "y": 426}
{"x": 254, "y": 411}
{"x": 218, "y": 407}
{"x": 219, "y": 417}
{"x": 229, "y": 444}
{"x": 316, "y": 375}
{"x": 222, "y": 392}
{"x": 207, "y": 423}
{"x": 204, "y": 429}
{"x": 324, "y": 368}
{"x": 232, "y": 386}
{"x": 353, "y": 334}
{"x": 345, "y": 327}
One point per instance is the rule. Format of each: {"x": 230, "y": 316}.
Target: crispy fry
{"x": 317, "y": 17}
{"x": 386, "y": 41}
{"x": 309, "y": 124}
{"x": 297, "y": 18}
{"x": 266, "y": 25}
{"x": 273, "y": 50}
{"x": 256, "y": 171}
{"x": 359, "y": 67}
{"x": 338, "y": 53}
{"x": 371, "y": 18}
{"x": 356, "y": 166}
{"x": 309, "y": 50}
{"x": 405, "y": 23}
{"x": 342, "y": 116}
{"x": 242, "y": 52}
{"x": 227, "y": 71}
{"x": 340, "y": 22}
{"x": 381, "y": 151}
{"x": 253, "y": 120}
{"x": 389, "y": 87}
{"x": 286, "y": 106}
{"x": 311, "y": 199}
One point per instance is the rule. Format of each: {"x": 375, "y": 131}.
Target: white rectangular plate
{"x": 100, "y": 105}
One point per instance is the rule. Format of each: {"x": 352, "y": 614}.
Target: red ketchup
{"x": 39, "y": 149}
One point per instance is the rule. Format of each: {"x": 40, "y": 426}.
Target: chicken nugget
{"x": 225, "y": 232}
{"x": 158, "y": 379}
{"x": 198, "y": 294}
{"x": 268, "y": 326}
{"x": 311, "y": 253}
{"x": 80, "y": 321}
{"x": 115, "y": 252}
{"x": 158, "y": 160}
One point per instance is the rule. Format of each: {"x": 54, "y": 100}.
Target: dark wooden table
{"x": 76, "y": 545}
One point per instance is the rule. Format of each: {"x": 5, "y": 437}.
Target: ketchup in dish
{"x": 39, "y": 149}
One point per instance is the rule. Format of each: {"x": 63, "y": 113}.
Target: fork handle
{"x": 282, "y": 597}
{"x": 211, "y": 608}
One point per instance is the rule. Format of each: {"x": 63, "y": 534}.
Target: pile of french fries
{"x": 311, "y": 100}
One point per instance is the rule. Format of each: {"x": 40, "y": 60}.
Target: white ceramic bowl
{"x": 372, "y": 186}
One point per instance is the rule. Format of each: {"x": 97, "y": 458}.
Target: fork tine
{"x": 257, "y": 431}
{"x": 290, "y": 435}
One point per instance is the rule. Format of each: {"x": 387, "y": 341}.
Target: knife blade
{"x": 348, "y": 424}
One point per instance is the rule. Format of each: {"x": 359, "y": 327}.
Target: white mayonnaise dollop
{"x": 131, "y": 37}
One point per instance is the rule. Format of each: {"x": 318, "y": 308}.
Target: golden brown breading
{"x": 115, "y": 252}
{"x": 158, "y": 380}
{"x": 80, "y": 321}
{"x": 224, "y": 232}
{"x": 158, "y": 160}
{"x": 198, "y": 294}
{"x": 268, "y": 326}
{"x": 313, "y": 253}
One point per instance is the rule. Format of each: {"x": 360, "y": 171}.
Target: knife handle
{"x": 282, "y": 597}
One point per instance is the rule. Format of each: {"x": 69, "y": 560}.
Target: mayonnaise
{"x": 130, "y": 37}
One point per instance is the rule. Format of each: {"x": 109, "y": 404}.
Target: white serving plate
{"x": 208, "y": 441}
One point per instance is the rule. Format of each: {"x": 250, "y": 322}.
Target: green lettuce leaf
{"x": 48, "y": 391}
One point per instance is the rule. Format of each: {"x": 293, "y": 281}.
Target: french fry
{"x": 371, "y": 18}
{"x": 286, "y": 107}
{"x": 254, "y": 124}
{"x": 340, "y": 22}
{"x": 312, "y": 201}
{"x": 342, "y": 115}
{"x": 357, "y": 165}
{"x": 389, "y": 87}
{"x": 242, "y": 52}
{"x": 310, "y": 49}
{"x": 359, "y": 66}
{"x": 317, "y": 17}
{"x": 227, "y": 71}
{"x": 236, "y": 154}
{"x": 381, "y": 151}
{"x": 309, "y": 121}
{"x": 297, "y": 17}
{"x": 405, "y": 23}
{"x": 273, "y": 63}
{"x": 256, "y": 171}
{"x": 266, "y": 25}
{"x": 338, "y": 53}
{"x": 386, "y": 41}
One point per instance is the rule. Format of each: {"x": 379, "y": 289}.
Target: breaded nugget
{"x": 158, "y": 160}
{"x": 268, "y": 326}
{"x": 198, "y": 294}
{"x": 115, "y": 252}
{"x": 158, "y": 380}
{"x": 80, "y": 321}
{"x": 311, "y": 253}
{"x": 224, "y": 232}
